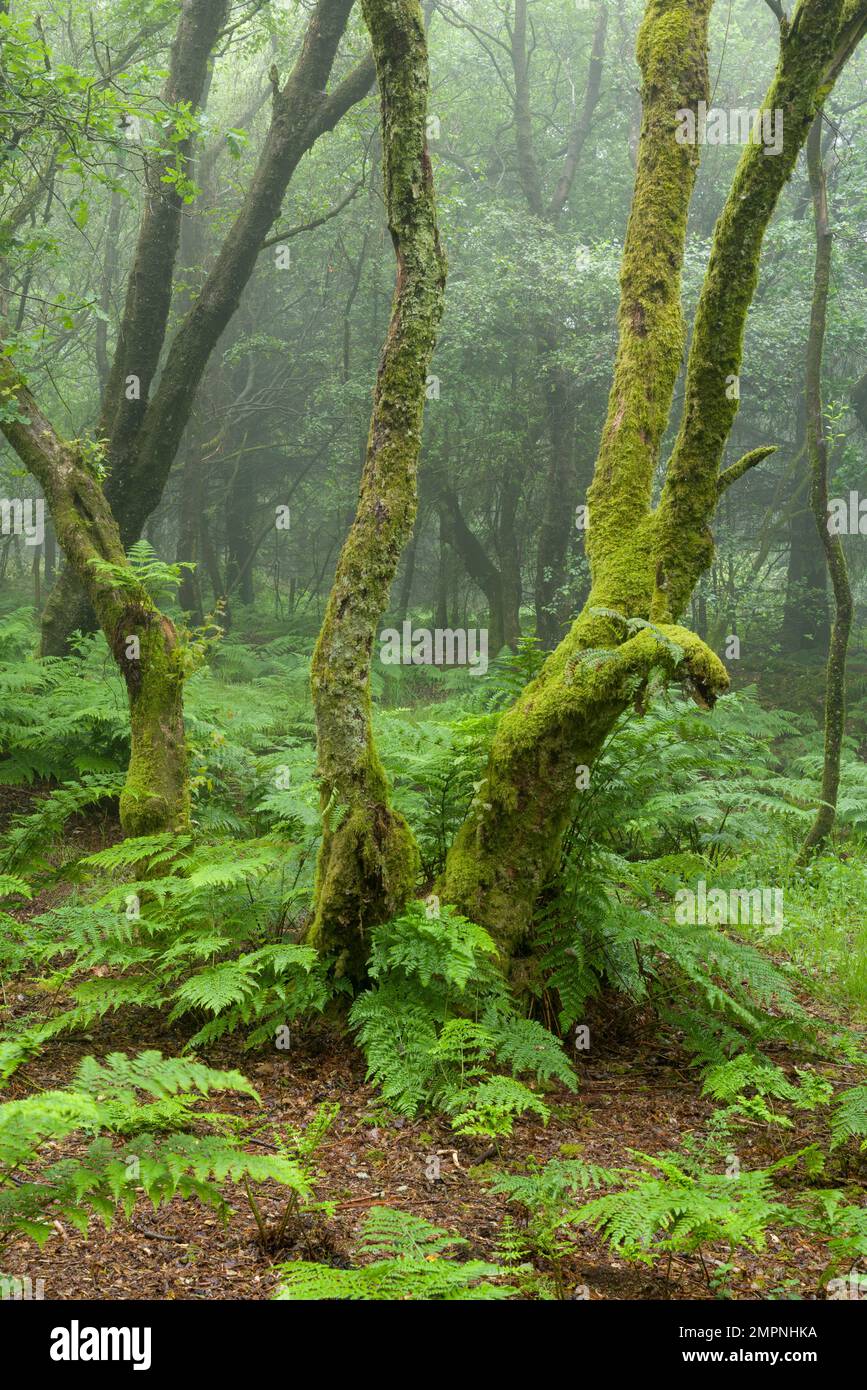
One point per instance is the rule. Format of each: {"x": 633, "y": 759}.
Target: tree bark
{"x": 142, "y": 329}
{"x": 480, "y": 568}
{"x": 142, "y": 640}
{"x": 144, "y": 453}
{"x": 644, "y": 564}
{"x": 368, "y": 859}
{"x": 806, "y": 621}
{"x": 817, "y": 447}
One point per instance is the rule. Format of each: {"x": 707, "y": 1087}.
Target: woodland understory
{"x": 433, "y": 727}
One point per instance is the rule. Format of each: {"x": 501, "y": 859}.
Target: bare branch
{"x": 291, "y": 232}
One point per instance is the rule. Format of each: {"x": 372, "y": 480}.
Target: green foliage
{"x": 412, "y": 1259}
{"x": 41, "y": 828}
{"x": 145, "y": 570}
{"x": 439, "y": 1021}
{"x": 547, "y": 1196}
{"x": 841, "y": 1224}
{"x": 61, "y": 719}
{"x": 204, "y": 933}
{"x": 132, "y": 1145}
{"x": 298, "y": 1147}
{"x": 732, "y": 1081}
{"x": 669, "y": 1204}
{"x": 673, "y": 1203}
{"x": 849, "y": 1120}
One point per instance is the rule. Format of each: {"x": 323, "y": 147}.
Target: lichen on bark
{"x": 644, "y": 563}
{"x": 368, "y": 860}
{"x": 142, "y": 640}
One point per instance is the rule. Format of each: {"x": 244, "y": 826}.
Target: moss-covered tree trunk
{"x": 143, "y": 641}
{"x": 368, "y": 859}
{"x": 817, "y": 448}
{"x": 644, "y": 562}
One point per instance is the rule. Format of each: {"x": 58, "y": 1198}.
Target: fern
{"x": 490, "y": 1106}
{"x": 414, "y": 1261}
{"x": 159, "y": 1158}
{"x": 145, "y": 570}
{"x": 681, "y": 1209}
{"x": 731, "y": 1081}
{"x": 178, "y": 938}
{"x": 439, "y": 1025}
{"x": 849, "y": 1120}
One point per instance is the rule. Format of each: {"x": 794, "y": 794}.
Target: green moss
{"x": 644, "y": 564}
{"x": 510, "y": 843}
{"x": 156, "y": 793}
{"x": 368, "y": 862}
{"x": 689, "y": 498}
{"x": 367, "y": 870}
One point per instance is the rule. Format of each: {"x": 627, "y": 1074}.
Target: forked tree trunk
{"x": 146, "y": 435}
{"x": 644, "y": 564}
{"x": 368, "y": 859}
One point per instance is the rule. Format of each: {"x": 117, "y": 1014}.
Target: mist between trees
{"x": 433, "y": 539}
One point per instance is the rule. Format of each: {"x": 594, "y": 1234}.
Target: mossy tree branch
{"x": 644, "y": 563}
{"x": 683, "y": 542}
{"x": 509, "y": 846}
{"x": 672, "y": 54}
{"x": 368, "y": 859}
{"x": 737, "y": 470}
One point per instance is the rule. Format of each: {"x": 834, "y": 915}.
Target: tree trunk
{"x": 817, "y": 446}
{"x": 644, "y": 564}
{"x": 142, "y": 640}
{"x": 145, "y": 441}
{"x": 509, "y": 555}
{"x": 368, "y": 860}
{"x": 477, "y": 564}
{"x": 192, "y": 501}
{"x": 241, "y": 504}
{"x": 558, "y": 525}
{"x": 806, "y": 622}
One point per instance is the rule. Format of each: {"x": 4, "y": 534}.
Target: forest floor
{"x": 634, "y": 1093}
